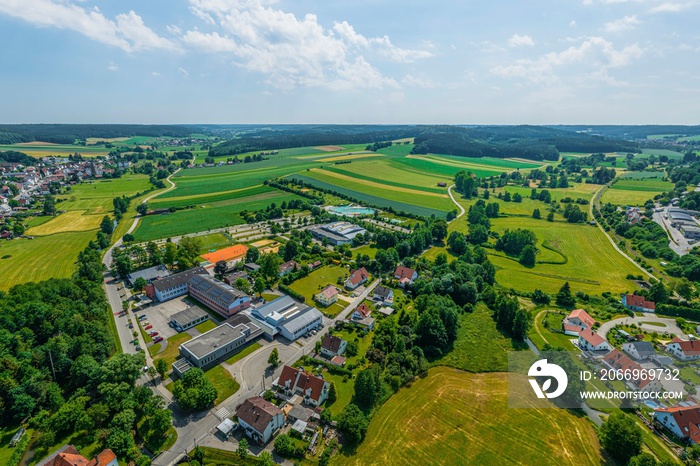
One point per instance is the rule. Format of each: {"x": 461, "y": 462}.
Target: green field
{"x": 41, "y": 258}
{"x": 634, "y": 191}
{"x": 95, "y": 197}
{"x": 45, "y": 149}
{"x": 250, "y": 349}
{"x": 213, "y": 241}
{"x": 318, "y": 280}
{"x": 453, "y": 417}
{"x": 579, "y": 254}
{"x": 223, "y": 381}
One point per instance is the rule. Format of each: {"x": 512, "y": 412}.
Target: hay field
{"x": 73, "y": 220}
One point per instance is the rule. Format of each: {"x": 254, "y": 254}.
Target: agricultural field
{"x": 73, "y": 220}
{"x": 45, "y": 149}
{"x": 40, "y": 258}
{"x": 95, "y": 197}
{"x": 579, "y": 254}
{"x": 628, "y": 191}
{"x": 436, "y": 416}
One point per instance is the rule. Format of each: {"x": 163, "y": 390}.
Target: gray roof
{"x": 300, "y": 412}
{"x": 220, "y": 336}
{"x": 215, "y": 289}
{"x": 644, "y": 348}
{"x": 188, "y": 316}
{"x": 382, "y": 291}
{"x": 178, "y": 279}
{"x": 679, "y": 214}
{"x": 302, "y": 320}
{"x": 278, "y": 305}
{"x": 150, "y": 273}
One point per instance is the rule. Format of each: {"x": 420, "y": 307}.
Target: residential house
{"x": 313, "y": 389}
{"x": 639, "y": 350}
{"x": 362, "y": 316}
{"x": 682, "y": 420}
{"x": 357, "y": 278}
{"x": 685, "y": 350}
{"x": 328, "y": 296}
{"x": 638, "y": 303}
{"x": 287, "y": 267}
{"x": 68, "y": 455}
{"x": 576, "y": 321}
{"x": 384, "y": 295}
{"x": 619, "y": 362}
{"x": 332, "y": 345}
{"x": 405, "y": 276}
{"x": 588, "y": 340}
{"x": 259, "y": 419}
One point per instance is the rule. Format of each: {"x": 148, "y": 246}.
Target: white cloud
{"x": 112, "y": 66}
{"x": 572, "y": 23}
{"x": 622, "y": 24}
{"x": 670, "y": 7}
{"x": 155, "y": 74}
{"x": 129, "y": 33}
{"x": 416, "y": 81}
{"x": 519, "y": 41}
{"x": 294, "y": 51}
{"x": 183, "y": 72}
{"x": 595, "y": 56}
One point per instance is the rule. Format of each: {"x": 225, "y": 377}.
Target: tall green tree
{"x": 621, "y": 437}
{"x": 107, "y": 226}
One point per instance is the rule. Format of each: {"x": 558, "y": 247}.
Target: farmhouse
{"x": 683, "y": 420}
{"x": 617, "y": 361}
{"x": 638, "y": 303}
{"x": 172, "y": 286}
{"x": 356, "y": 278}
{"x": 69, "y": 456}
{"x": 152, "y": 273}
{"x": 328, "y": 296}
{"x": 384, "y": 295}
{"x": 576, "y": 321}
{"x": 685, "y": 350}
{"x": 217, "y": 344}
{"x": 188, "y": 318}
{"x": 222, "y": 298}
{"x": 337, "y": 233}
{"x": 639, "y": 350}
{"x": 259, "y": 419}
{"x": 588, "y": 340}
{"x": 313, "y": 389}
{"x": 332, "y": 346}
{"x": 286, "y": 317}
{"x": 405, "y": 275}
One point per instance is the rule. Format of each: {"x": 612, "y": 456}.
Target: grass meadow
{"x": 628, "y": 191}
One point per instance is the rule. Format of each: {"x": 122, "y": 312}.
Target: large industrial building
{"x": 218, "y": 344}
{"x": 286, "y": 317}
{"x": 173, "y": 286}
{"x": 337, "y": 232}
{"x": 220, "y": 297}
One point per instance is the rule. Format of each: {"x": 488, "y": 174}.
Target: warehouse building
{"x": 337, "y": 232}
{"x": 220, "y": 297}
{"x": 190, "y": 317}
{"x": 286, "y": 317}
{"x": 173, "y": 286}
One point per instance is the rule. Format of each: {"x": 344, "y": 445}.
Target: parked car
{"x": 157, "y": 339}
{"x": 142, "y": 316}
{"x": 147, "y": 327}
{"x": 138, "y": 348}
{"x": 145, "y": 368}
{"x": 131, "y": 325}
{"x": 136, "y": 341}
{"x": 153, "y": 334}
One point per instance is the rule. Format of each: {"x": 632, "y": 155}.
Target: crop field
{"x": 453, "y": 417}
{"x": 215, "y": 215}
{"x": 373, "y": 170}
{"x": 672, "y": 154}
{"x": 45, "y": 149}
{"x": 40, "y": 258}
{"x": 579, "y": 254}
{"x": 73, "y": 220}
{"x": 642, "y": 175}
{"x": 96, "y": 197}
{"x": 635, "y": 191}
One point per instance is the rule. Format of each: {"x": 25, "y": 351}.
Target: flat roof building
{"x": 188, "y": 318}
{"x": 287, "y": 317}
{"x": 152, "y": 273}
{"x": 337, "y": 232}
{"x": 220, "y": 297}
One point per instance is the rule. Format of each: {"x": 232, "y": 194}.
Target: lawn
{"x": 454, "y": 417}
{"x": 479, "y": 346}
{"x": 206, "y": 326}
{"x": 41, "y": 258}
{"x": 6, "y": 434}
{"x": 635, "y": 191}
{"x": 317, "y": 280}
{"x": 250, "y": 349}
{"x": 344, "y": 389}
{"x": 172, "y": 352}
{"x": 590, "y": 263}
{"x": 367, "y": 249}
{"x": 223, "y": 381}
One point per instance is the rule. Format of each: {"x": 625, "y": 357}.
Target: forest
{"x": 68, "y": 134}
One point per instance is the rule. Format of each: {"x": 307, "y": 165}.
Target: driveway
{"x": 664, "y": 324}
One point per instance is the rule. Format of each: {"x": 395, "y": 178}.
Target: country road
{"x": 461, "y": 209}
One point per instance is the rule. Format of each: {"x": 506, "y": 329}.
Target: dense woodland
{"x": 68, "y": 134}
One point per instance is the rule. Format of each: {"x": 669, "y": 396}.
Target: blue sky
{"x": 342, "y": 61}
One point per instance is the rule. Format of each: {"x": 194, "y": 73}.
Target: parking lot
{"x": 159, "y": 314}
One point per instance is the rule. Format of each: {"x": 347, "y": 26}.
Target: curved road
{"x": 462, "y": 211}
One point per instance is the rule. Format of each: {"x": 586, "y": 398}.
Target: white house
{"x": 683, "y": 421}
{"x": 685, "y": 350}
{"x": 259, "y": 419}
{"x": 576, "y": 321}
{"x": 313, "y": 389}
{"x": 639, "y": 350}
{"x": 356, "y": 278}
{"x": 384, "y": 295}
{"x": 588, "y": 340}
{"x": 405, "y": 275}
{"x": 638, "y": 303}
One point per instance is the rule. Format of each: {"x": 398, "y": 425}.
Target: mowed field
{"x": 452, "y": 417}
{"x": 45, "y": 149}
{"x": 628, "y": 191}
{"x": 579, "y": 254}
{"x": 42, "y": 258}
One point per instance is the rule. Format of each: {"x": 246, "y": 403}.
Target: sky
{"x": 350, "y": 61}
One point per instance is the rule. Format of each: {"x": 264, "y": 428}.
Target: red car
{"x": 148, "y": 326}
{"x": 157, "y": 339}
{"x": 153, "y": 333}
